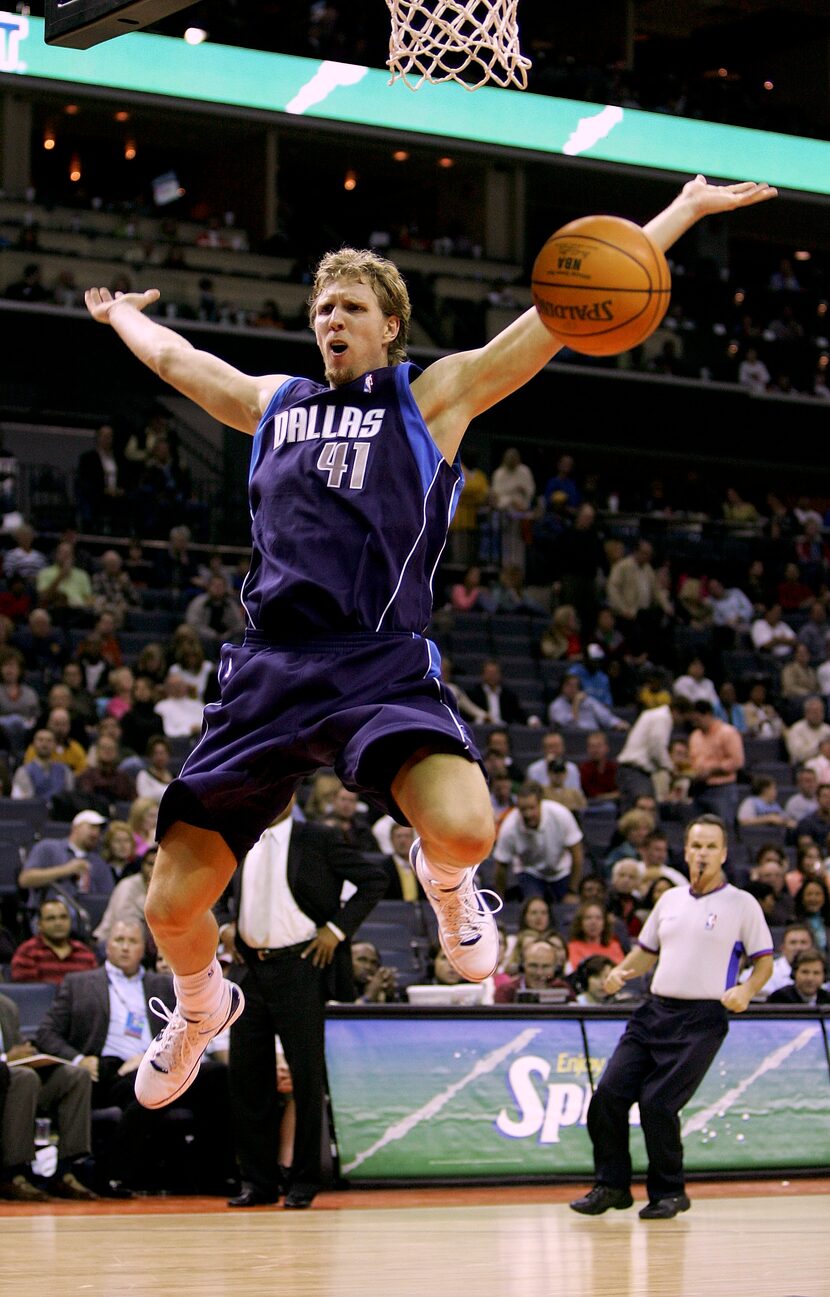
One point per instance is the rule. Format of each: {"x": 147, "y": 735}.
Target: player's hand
{"x": 322, "y": 948}
{"x": 708, "y": 199}
{"x": 616, "y": 979}
{"x": 737, "y": 998}
{"x": 100, "y": 301}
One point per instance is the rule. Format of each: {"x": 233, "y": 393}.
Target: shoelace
{"x": 171, "y": 1042}
{"x": 464, "y": 912}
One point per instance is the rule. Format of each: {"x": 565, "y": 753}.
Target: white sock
{"x": 200, "y": 994}
{"x": 443, "y": 875}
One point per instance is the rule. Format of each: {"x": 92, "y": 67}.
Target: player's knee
{"x": 167, "y": 913}
{"x": 463, "y": 838}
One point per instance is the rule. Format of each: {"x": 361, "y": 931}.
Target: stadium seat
{"x": 32, "y": 1000}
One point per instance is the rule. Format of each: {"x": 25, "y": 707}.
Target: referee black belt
{"x": 281, "y": 952}
{"x": 672, "y": 1002}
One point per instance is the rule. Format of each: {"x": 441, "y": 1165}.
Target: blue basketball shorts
{"x": 361, "y": 703}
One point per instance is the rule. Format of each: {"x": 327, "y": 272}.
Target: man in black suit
{"x": 499, "y": 701}
{"x": 292, "y": 932}
{"x": 98, "y": 485}
{"x": 61, "y": 1093}
{"x": 809, "y": 971}
{"x": 102, "y": 1021}
{"x": 401, "y": 880}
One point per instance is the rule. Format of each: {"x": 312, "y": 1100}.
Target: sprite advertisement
{"x": 485, "y": 1096}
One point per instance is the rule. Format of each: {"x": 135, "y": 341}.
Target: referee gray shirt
{"x": 700, "y": 939}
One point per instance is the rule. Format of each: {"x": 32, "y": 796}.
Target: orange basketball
{"x": 601, "y": 285}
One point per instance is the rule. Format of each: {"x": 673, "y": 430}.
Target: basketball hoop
{"x": 468, "y": 41}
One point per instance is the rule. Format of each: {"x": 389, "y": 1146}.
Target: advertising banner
{"x": 488, "y": 1097}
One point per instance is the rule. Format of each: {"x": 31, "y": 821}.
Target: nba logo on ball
{"x": 601, "y": 285}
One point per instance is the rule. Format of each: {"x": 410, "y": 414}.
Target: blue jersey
{"x": 350, "y": 502}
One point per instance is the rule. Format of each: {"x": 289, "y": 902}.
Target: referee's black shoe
{"x": 665, "y": 1208}
{"x": 602, "y": 1198}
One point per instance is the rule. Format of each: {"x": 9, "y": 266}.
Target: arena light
{"x": 121, "y": 116}
{"x": 195, "y": 35}
{"x": 75, "y": 168}
{"x": 130, "y": 150}
{"x": 400, "y": 155}
{"x": 49, "y": 138}
{"x": 350, "y": 181}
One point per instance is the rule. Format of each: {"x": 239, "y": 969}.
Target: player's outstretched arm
{"x": 232, "y": 397}
{"x": 453, "y": 390}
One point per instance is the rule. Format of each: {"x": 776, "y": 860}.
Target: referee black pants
{"x": 660, "y": 1061}
{"x": 285, "y": 997}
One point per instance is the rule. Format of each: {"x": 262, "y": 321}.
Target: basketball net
{"x": 468, "y": 41}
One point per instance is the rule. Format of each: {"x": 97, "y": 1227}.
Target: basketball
{"x": 601, "y": 285}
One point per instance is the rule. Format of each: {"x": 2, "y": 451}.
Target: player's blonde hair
{"x": 382, "y": 276}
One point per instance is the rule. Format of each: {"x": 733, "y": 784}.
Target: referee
{"x": 695, "y": 936}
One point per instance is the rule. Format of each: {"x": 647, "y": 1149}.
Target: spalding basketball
{"x": 601, "y": 285}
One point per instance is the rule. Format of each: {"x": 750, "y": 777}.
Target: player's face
{"x": 705, "y": 855}
{"x": 351, "y": 330}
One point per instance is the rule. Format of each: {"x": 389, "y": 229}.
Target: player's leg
{"x": 445, "y": 799}
{"x": 192, "y": 869}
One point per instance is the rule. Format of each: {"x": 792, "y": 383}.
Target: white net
{"x": 469, "y": 41}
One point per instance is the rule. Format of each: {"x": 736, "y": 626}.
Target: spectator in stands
{"x": 402, "y": 884}
{"x": 120, "y": 851}
{"x": 555, "y": 791}
{"x": 598, "y": 773}
{"x": 737, "y": 510}
{"x": 190, "y": 663}
{"x": 798, "y": 677}
{"x": 589, "y": 978}
{"x": 562, "y": 638}
{"x": 727, "y": 707}
{"x": 646, "y": 750}
{"x": 119, "y": 692}
{"x": 809, "y": 970}
{"x": 475, "y": 493}
{"x": 716, "y": 752}
{"x": 770, "y": 868}
{"x": 105, "y": 780}
{"x": 142, "y": 822}
{"x": 535, "y": 915}
{"x": 655, "y": 890}
{"x": 771, "y": 634}
{"x": 817, "y": 825}
{"x": 593, "y": 677}
{"x": 154, "y": 778}
{"x": 753, "y": 373}
{"x": 65, "y": 588}
{"x": 181, "y": 714}
{"x": 809, "y": 863}
{"x": 803, "y": 801}
{"x": 95, "y": 669}
{"x": 695, "y": 684}
{"x": 821, "y": 764}
{"x": 762, "y": 806}
{"x": 502, "y": 797}
{"x": 42, "y": 776}
{"x": 814, "y": 633}
{"x": 67, "y": 749}
{"x": 731, "y": 610}
{"x": 499, "y": 745}
{"x": 176, "y": 568}
{"x": 469, "y": 595}
{"x": 60, "y": 1093}
{"x": 43, "y": 645}
{"x": 592, "y": 933}
{"x": 762, "y": 720}
{"x": 513, "y": 487}
{"x": 509, "y": 594}
{"x": 574, "y": 709}
{"x": 539, "y": 849}
{"x": 542, "y": 969}
{"x": 375, "y": 983}
{"x": 53, "y": 951}
{"x": 318, "y": 804}
{"x": 553, "y": 749}
{"x": 636, "y": 596}
{"x": 82, "y": 705}
{"x": 99, "y": 486}
{"x": 126, "y": 904}
{"x": 624, "y": 895}
{"x": 105, "y": 629}
{"x": 67, "y": 867}
{"x": 805, "y": 737}
{"x": 141, "y": 722}
{"x": 163, "y": 489}
{"x": 24, "y": 560}
{"x": 633, "y": 827}
{"x": 466, "y": 706}
{"x": 579, "y": 557}
{"x": 354, "y": 828}
{"x": 29, "y": 288}
{"x": 15, "y": 600}
{"x": 796, "y": 937}
{"x": 102, "y": 1019}
{"x": 794, "y": 595}
{"x": 655, "y": 856}
{"x": 497, "y": 699}
{"x": 217, "y": 614}
{"x": 812, "y": 907}
{"x": 112, "y": 589}
{"x": 19, "y": 704}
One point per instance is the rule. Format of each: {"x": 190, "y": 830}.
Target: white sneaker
{"x": 172, "y": 1060}
{"x": 466, "y": 927}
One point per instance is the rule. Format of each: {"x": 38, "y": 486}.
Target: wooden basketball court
{"x": 765, "y": 1238}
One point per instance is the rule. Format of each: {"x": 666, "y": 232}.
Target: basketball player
{"x": 352, "y": 487}
{"x": 694, "y": 935}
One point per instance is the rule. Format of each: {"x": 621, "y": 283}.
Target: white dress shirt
{"x": 269, "y": 917}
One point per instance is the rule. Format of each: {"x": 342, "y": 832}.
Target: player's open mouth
{"x": 339, "y": 347}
